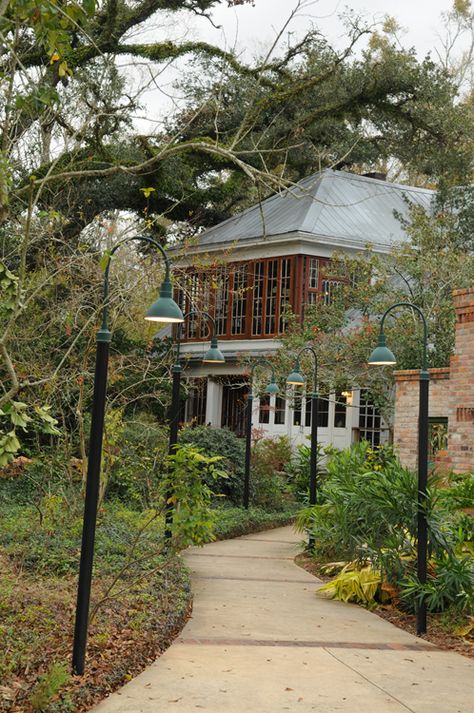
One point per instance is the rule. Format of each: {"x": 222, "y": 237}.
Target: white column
{"x": 214, "y": 403}
{"x": 355, "y": 413}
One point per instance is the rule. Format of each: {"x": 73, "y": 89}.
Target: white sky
{"x": 251, "y": 31}
{"x": 256, "y": 26}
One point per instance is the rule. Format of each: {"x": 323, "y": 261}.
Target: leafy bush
{"x": 450, "y": 583}
{"x": 269, "y": 484}
{"x": 224, "y": 443}
{"x": 185, "y": 486}
{"x": 460, "y": 493}
{"x": 47, "y": 538}
{"x": 370, "y": 516}
{"x": 298, "y": 469}
{"x": 50, "y": 474}
{"x": 135, "y": 475}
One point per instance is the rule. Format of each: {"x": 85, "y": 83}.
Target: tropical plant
{"x": 297, "y": 468}
{"x": 361, "y": 585}
{"x": 369, "y": 517}
{"x": 185, "y": 487}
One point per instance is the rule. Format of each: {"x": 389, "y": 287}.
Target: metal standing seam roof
{"x": 337, "y": 204}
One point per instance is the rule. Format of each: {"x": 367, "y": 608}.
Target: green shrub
{"x": 269, "y": 483}
{"x": 370, "y": 516}
{"x": 50, "y": 474}
{"x": 237, "y": 521}
{"x": 450, "y": 584}
{"x": 185, "y": 486}
{"x": 460, "y": 493}
{"x": 224, "y": 443}
{"x": 49, "y": 542}
{"x": 135, "y": 475}
{"x": 298, "y": 470}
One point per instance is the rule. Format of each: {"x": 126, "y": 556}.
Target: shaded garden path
{"x": 260, "y": 641}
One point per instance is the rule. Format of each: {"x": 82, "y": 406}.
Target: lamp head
{"x": 382, "y": 356}
{"x": 214, "y": 354}
{"x": 165, "y": 308}
{"x": 295, "y": 378}
{"x": 272, "y": 387}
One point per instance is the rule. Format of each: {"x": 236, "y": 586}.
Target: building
{"x": 255, "y": 265}
{"x": 451, "y": 401}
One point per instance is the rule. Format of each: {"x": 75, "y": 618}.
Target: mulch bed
{"x": 436, "y": 633}
{"x": 127, "y": 635}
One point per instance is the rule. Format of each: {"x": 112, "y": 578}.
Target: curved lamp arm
{"x": 104, "y": 330}
{"x": 425, "y": 327}
{"x": 258, "y": 362}
{"x": 310, "y": 349}
{"x": 180, "y": 329}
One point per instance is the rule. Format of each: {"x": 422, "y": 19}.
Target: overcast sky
{"x": 256, "y": 26}
{"x": 251, "y": 30}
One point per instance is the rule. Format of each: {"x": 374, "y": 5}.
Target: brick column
{"x": 407, "y": 394}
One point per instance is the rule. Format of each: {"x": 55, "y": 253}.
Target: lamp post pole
{"x": 213, "y": 355}
{"x": 382, "y": 355}
{"x": 297, "y": 379}
{"x": 171, "y": 313}
{"x": 272, "y": 388}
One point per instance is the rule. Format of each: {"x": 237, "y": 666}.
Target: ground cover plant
{"x": 364, "y": 528}
{"x": 141, "y": 590}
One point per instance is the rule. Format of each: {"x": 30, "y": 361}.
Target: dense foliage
{"x": 141, "y": 590}
{"x": 369, "y": 516}
{"x": 223, "y": 443}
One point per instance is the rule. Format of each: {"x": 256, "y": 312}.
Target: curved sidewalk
{"x": 260, "y": 641}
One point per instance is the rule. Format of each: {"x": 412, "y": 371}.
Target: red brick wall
{"x": 407, "y": 394}
{"x": 451, "y": 396}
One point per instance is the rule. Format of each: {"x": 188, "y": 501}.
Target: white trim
{"x": 281, "y": 245}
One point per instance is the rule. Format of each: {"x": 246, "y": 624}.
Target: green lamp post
{"x": 298, "y": 380}
{"x": 271, "y": 389}
{"x": 164, "y": 309}
{"x": 382, "y": 356}
{"x": 212, "y": 356}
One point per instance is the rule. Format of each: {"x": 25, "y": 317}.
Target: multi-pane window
{"x": 258, "y": 289}
{"x": 264, "y": 412}
{"x": 340, "y": 411}
{"x": 370, "y": 420}
{"x": 280, "y": 406}
{"x": 271, "y": 301}
{"x": 204, "y": 305}
{"x": 323, "y": 412}
{"x": 196, "y": 402}
{"x": 239, "y": 300}
{"x": 330, "y": 288}
{"x": 193, "y": 292}
{"x": 314, "y": 273}
{"x": 311, "y": 277}
{"x": 285, "y": 285}
{"x": 253, "y": 299}
{"x": 297, "y": 409}
{"x": 222, "y": 303}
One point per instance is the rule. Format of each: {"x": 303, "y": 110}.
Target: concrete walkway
{"x": 261, "y": 641}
